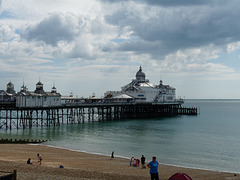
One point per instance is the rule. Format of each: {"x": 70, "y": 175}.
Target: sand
{"x": 79, "y": 165}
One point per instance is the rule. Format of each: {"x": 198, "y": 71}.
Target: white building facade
{"x": 141, "y": 90}
{"x": 38, "y": 98}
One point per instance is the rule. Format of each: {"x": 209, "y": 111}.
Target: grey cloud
{"x": 74, "y": 36}
{"x": 156, "y": 49}
{"x": 170, "y": 29}
{"x": 170, "y": 2}
{"x": 57, "y": 27}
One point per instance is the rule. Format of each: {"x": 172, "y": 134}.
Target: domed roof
{"x": 10, "y": 88}
{"x": 140, "y": 72}
{"x": 140, "y": 75}
{"x": 39, "y": 88}
{"x": 10, "y": 84}
{"x": 39, "y": 83}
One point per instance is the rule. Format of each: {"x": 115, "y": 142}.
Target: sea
{"x": 209, "y": 140}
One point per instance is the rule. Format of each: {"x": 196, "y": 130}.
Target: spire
{"x": 54, "y": 90}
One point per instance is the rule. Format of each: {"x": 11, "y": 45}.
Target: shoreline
{"x": 83, "y": 165}
{"x": 127, "y": 158}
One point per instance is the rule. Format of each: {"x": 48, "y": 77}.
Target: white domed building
{"x": 141, "y": 90}
{"x": 38, "y": 97}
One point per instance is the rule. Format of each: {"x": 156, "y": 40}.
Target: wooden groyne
{"x": 21, "y": 141}
{"x": 5, "y": 175}
{"x": 27, "y": 117}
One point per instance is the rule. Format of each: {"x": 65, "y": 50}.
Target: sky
{"x": 94, "y": 46}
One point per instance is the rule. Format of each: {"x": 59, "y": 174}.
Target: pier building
{"x": 138, "y": 99}
{"x": 141, "y": 90}
{"x": 38, "y": 98}
{"x": 9, "y": 94}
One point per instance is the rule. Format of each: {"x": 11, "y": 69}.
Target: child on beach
{"x": 39, "y": 159}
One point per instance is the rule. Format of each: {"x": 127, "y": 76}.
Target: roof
{"x": 28, "y": 93}
{"x": 168, "y": 87}
{"x": 39, "y": 83}
{"x": 2, "y": 92}
{"x": 140, "y": 73}
{"x": 10, "y": 84}
{"x": 145, "y": 84}
{"x": 122, "y": 96}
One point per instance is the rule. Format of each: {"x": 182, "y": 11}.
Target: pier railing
{"x": 27, "y": 117}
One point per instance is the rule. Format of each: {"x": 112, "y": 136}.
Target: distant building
{"x": 141, "y": 90}
{"x": 38, "y": 98}
{"x": 9, "y": 94}
{"x": 10, "y": 88}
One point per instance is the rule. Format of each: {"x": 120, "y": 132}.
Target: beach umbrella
{"x": 180, "y": 176}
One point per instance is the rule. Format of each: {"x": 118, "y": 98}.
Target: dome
{"x": 54, "y": 90}
{"x": 140, "y": 75}
{"x": 10, "y": 84}
{"x": 10, "y": 88}
{"x": 39, "y": 83}
{"x": 39, "y": 88}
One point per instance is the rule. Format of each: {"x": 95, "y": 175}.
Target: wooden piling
{"x": 56, "y": 116}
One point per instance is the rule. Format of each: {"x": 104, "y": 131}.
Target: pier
{"x": 27, "y": 117}
{"x": 137, "y": 99}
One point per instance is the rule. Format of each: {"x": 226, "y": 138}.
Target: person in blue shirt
{"x": 153, "y": 165}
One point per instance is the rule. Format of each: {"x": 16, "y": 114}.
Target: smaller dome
{"x": 54, "y": 90}
{"x": 39, "y": 88}
{"x": 10, "y": 88}
{"x": 10, "y": 84}
{"x": 39, "y": 83}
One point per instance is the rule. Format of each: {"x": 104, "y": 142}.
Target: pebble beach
{"x": 80, "y": 165}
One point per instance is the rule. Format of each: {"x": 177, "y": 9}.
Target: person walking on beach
{"x": 112, "y": 156}
{"x": 153, "y": 165}
{"x": 39, "y": 159}
{"x": 131, "y": 161}
{"x": 143, "y": 161}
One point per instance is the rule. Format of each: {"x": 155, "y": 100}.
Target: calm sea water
{"x": 210, "y": 140}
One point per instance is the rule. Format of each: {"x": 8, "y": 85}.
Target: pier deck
{"x": 27, "y": 117}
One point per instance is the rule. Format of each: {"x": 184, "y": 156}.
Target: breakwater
{"x": 27, "y": 117}
{"x": 21, "y": 141}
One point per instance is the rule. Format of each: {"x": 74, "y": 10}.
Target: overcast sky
{"x": 93, "y": 46}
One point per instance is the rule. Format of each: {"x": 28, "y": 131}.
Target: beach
{"x": 80, "y": 165}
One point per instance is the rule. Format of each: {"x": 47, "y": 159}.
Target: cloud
{"x": 100, "y": 42}
{"x": 71, "y": 35}
{"x": 0, "y": 6}
{"x": 6, "y": 32}
{"x": 168, "y": 29}
{"x": 57, "y": 27}
{"x": 169, "y": 3}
